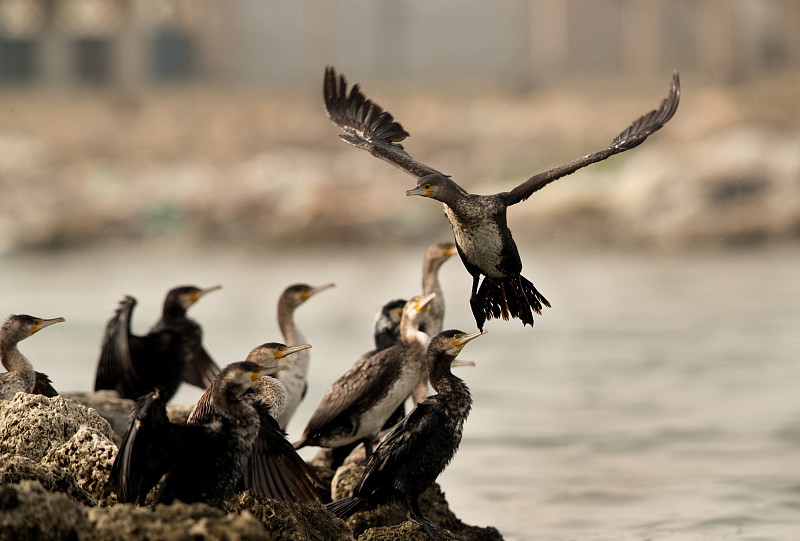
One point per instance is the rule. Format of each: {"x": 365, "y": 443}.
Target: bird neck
{"x": 12, "y": 358}
{"x": 291, "y": 334}
{"x": 451, "y": 389}
{"x": 410, "y": 334}
{"x": 173, "y": 313}
{"x": 271, "y": 393}
{"x": 430, "y": 278}
{"x": 450, "y": 192}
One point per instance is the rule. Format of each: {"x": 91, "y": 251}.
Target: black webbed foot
{"x": 426, "y": 524}
{"x": 478, "y": 311}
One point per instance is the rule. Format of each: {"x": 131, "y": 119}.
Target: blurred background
{"x": 151, "y": 143}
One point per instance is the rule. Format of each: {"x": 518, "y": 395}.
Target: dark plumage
{"x": 410, "y": 458}
{"x": 295, "y": 377}
{"x": 170, "y": 353}
{"x": 386, "y": 333}
{"x": 357, "y": 405}
{"x": 200, "y": 463}
{"x": 20, "y": 376}
{"x": 479, "y": 224}
{"x": 274, "y": 469}
{"x": 386, "y": 330}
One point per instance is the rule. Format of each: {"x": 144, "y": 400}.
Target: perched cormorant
{"x": 410, "y": 458}
{"x": 274, "y": 469}
{"x": 170, "y": 353}
{"x": 479, "y": 223}
{"x": 199, "y": 463}
{"x": 435, "y": 256}
{"x": 20, "y": 376}
{"x": 294, "y": 378}
{"x": 357, "y": 405}
{"x": 386, "y": 333}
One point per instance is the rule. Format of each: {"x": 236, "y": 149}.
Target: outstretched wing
{"x": 201, "y": 370}
{"x": 204, "y": 409}
{"x": 367, "y": 126}
{"x": 274, "y": 469}
{"x": 115, "y": 357}
{"x": 632, "y": 136}
{"x": 141, "y": 459}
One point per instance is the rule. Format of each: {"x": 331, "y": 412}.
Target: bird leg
{"x": 414, "y": 514}
{"x": 477, "y": 305}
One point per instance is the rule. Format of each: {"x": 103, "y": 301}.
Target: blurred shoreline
{"x": 264, "y": 168}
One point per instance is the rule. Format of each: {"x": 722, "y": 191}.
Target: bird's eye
{"x": 427, "y": 186}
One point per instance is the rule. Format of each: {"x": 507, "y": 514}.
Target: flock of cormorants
{"x": 234, "y": 438}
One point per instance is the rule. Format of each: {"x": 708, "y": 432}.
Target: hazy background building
{"x": 522, "y": 42}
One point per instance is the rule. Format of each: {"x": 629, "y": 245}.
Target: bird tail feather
{"x": 346, "y": 507}
{"x": 509, "y": 296}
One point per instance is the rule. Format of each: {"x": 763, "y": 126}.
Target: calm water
{"x": 657, "y": 399}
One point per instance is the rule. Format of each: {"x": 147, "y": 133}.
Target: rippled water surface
{"x": 657, "y": 399}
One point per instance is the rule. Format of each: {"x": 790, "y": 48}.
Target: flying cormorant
{"x": 295, "y": 377}
{"x": 170, "y": 353}
{"x": 20, "y": 376}
{"x": 357, "y": 405}
{"x": 410, "y": 458}
{"x": 199, "y": 463}
{"x": 274, "y": 469}
{"x": 479, "y": 223}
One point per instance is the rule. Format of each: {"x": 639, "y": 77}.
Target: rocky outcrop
{"x": 55, "y": 456}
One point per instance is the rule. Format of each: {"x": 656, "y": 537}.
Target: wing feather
{"x": 367, "y": 126}
{"x": 274, "y": 469}
{"x": 630, "y": 137}
{"x": 115, "y": 362}
{"x": 201, "y": 369}
{"x": 361, "y": 383}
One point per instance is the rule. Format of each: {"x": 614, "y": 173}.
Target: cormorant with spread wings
{"x": 479, "y": 224}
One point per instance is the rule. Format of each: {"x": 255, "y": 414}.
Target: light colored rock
{"x": 88, "y": 455}
{"x": 33, "y": 425}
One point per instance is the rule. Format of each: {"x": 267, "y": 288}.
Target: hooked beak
{"x": 462, "y": 341}
{"x": 196, "y": 296}
{"x": 279, "y": 354}
{"x": 42, "y": 323}
{"x": 422, "y": 304}
{"x": 420, "y": 191}
{"x": 456, "y": 362}
{"x": 316, "y": 290}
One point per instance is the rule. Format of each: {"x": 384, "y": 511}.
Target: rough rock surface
{"x": 109, "y": 405}
{"x": 55, "y": 455}
{"x": 389, "y": 521}
{"x": 32, "y": 425}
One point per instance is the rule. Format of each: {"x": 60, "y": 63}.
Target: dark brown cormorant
{"x": 294, "y": 379}
{"x": 170, "y": 353}
{"x": 479, "y": 222}
{"x": 274, "y": 469}
{"x": 20, "y": 376}
{"x": 199, "y": 463}
{"x": 386, "y": 333}
{"x": 358, "y": 404}
{"x": 410, "y": 458}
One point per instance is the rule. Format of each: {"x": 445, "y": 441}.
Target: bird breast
{"x": 480, "y": 242}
